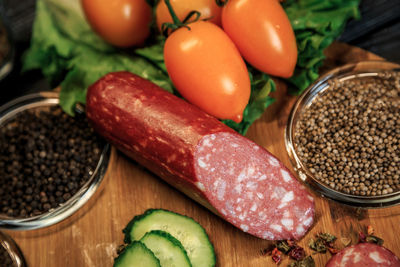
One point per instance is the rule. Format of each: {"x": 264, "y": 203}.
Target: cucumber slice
{"x": 192, "y": 236}
{"x": 167, "y": 249}
{"x": 136, "y": 254}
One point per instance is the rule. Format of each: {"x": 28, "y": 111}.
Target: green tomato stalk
{"x": 176, "y": 22}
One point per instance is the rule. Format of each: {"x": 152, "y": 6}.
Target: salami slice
{"x": 200, "y": 156}
{"x": 364, "y": 254}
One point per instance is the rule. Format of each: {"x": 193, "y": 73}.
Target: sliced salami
{"x": 364, "y": 254}
{"x": 200, "y": 156}
{"x": 252, "y": 189}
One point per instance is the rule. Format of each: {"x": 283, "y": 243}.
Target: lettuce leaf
{"x": 316, "y": 25}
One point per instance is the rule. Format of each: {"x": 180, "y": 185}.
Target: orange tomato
{"x": 122, "y": 23}
{"x": 263, "y": 34}
{"x": 207, "y": 8}
{"x": 207, "y": 70}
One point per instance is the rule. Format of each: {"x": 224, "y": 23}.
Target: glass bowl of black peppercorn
{"x": 51, "y": 163}
{"x": 10, "y": 254}
{"x": 343, "y": 135}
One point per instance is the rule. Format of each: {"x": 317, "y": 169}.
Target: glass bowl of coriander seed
{"x": 51, "y": 163}
{"x": 343, "y": 135}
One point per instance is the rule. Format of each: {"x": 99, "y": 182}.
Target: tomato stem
{"x": 191, "y": 14}
{"x": 175, "y": 18}
{"x": 165, "y": 27}
{"x": 221, "y": 2}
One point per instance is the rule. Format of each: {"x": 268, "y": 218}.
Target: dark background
{"x": 378, "y": 31}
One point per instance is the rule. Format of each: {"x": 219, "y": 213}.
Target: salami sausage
{"x": 200, "y": 156}
{"x": 364, "y": 254}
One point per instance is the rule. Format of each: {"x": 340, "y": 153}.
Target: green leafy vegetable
{"x": 316, "y": 25}
{"x": 71, "y": 55}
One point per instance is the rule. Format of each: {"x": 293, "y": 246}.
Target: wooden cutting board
{"x": 91, "y": 236}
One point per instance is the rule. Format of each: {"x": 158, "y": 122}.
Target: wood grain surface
{"x": 91, "y": 236}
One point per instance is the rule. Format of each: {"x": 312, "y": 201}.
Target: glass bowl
{"x": 64, "y": 210}
{"x": 12, "y": 249}
{"x": 351, "y": 71}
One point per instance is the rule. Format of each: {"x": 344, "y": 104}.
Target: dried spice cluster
{"x": 349, "y": 138}
{"x": 45, "y": 158}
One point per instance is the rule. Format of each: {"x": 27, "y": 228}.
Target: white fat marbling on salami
{"x": 279, "y": 192}
{"x": 256, "y": 178}
{"x": 254, "y": 207}
{"x": 282, "y": 205}
{"x": 262, "y": 177}
{"x": 287, "y": 223}
{"x": 200, "y": 186}
{"x": 286, "y": 176}
{"x": 376, "y": 257}
{"x": 221, "y": 190}
{"x": 276, "y": 227}
{"x": 244, "y": 227}
{"x": 238, "y": 188}
{"x": 300, "y": 230}
{"x": 201, "y": 163}
{"x": 273, "y": 161}
{"x": 356, "y": 257}
{"x": 241, "y": 176}
{"x": 346, "y": 256}
{"x": 286, "y": 214}
{"x": 250, "y": 172}
{"x": 251, "y": 185}
{"x": 268, "y": 235}
{"x": 207, "y": 143}
{"x": 288, "y": 197}
{"x": 307, "y": 222}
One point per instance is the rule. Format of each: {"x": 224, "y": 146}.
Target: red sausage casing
{"x": 200, "y": 156}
